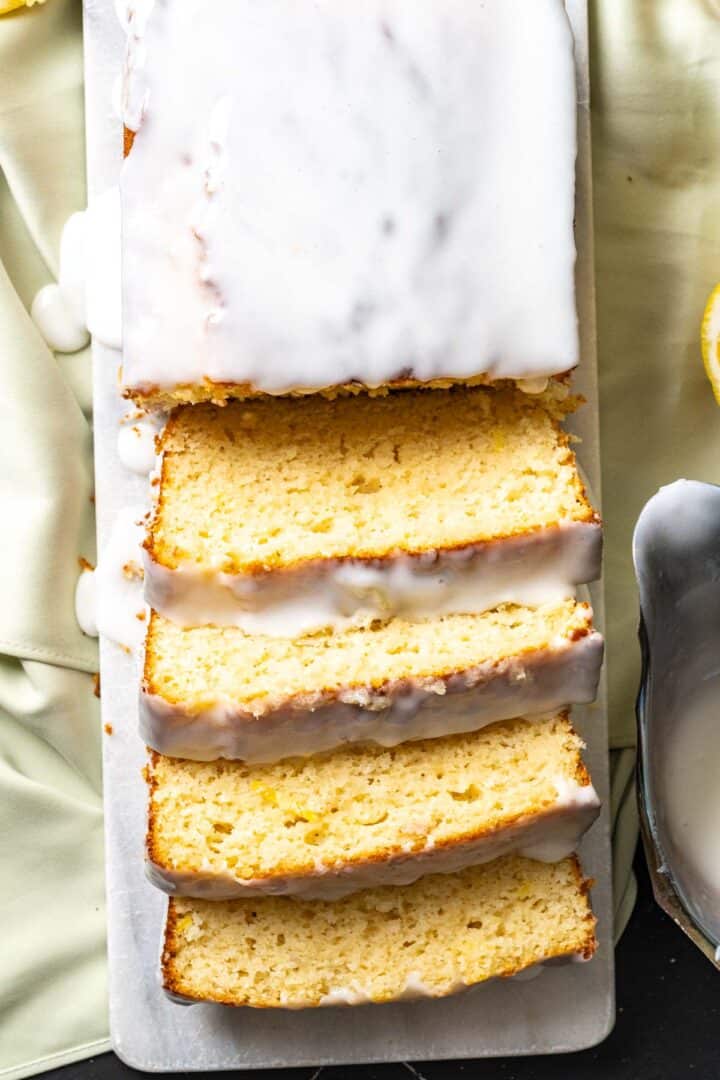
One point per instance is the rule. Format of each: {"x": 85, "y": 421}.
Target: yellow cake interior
{"x": 442, "y": 932}
{"x": 271, "y": 484}
{"x": 355, "y": 804}
{"x": 198, "y": 666}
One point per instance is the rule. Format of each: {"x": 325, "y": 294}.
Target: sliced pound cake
{"x": 284, "y": 516}
{"x": 212, "y": 692}
{"x": 436, "y": 937}
{"x": 359, "y": 817}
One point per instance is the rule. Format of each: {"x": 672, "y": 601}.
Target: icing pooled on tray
{"x": 86, "y": 298}
{"x": 109, "y": 600}
{"x": 136, "y": 443}
{"x": 319, "y": 194}
{"x": 56, "y": 321}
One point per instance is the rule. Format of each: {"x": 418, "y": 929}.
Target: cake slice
{"x": 284, "y": 516}
{"x": 358, "y": 817}
{"x": 212, "y": 692}
{"x": 344, "y": 202}
{"x": 436, "y": 937}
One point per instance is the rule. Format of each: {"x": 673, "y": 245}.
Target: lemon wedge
{"x": 10, "y": 5}
{"x": 710, "y": 341}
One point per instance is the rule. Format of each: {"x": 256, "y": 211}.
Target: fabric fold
{"x": 53, "y": 999}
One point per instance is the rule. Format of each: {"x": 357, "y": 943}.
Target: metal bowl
{"x": 676, "y": 550}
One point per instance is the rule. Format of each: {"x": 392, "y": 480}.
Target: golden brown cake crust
{"x": 221, "y": 393}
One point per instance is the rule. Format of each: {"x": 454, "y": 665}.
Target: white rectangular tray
{"x": 567, "y": 1008}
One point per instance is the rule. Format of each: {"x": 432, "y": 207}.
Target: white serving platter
{"x": 567, "y": 1008}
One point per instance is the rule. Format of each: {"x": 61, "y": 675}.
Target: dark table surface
{"x": 668, "y": 1023}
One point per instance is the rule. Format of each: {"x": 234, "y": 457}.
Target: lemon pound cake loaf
{"x": 344, "y": 201}
{"x": 434, "y": 938}
{"x": 358, "y": 817}
{"x": 212, "y": 692}
{"x": 283, "y": 516}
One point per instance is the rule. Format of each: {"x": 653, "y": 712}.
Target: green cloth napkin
{"x": 53, "y": 1006}
{"x": 656, "y": 87}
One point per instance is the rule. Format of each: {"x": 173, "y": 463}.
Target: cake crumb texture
{"x": 198, "y": 667}
{"x": 355, "y": 806}
{"x": 272, "y": 484}
{"x": 441, "y": 934}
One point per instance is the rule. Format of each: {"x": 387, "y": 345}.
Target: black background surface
{"x": 668, "y": 1024}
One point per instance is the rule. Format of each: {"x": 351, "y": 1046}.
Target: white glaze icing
{"x": 86, "y": 602}
{"x": 520, "y": 686}
{"x": 690, "y": 801}
{"x": 352, "y": 994}
{"x": 124, "y": 10}
{"x": 109, "y": 600}
{"x": 548, "y": 836}
{"x": 675, "y": 551}
{"x": 366, "y": 195}
{"x": 56, "y": 322}
{"x": 133, "y": 16}
{"x": 117, "y": 97}
{"x": 542, "y": 567}
{"x": 579, "y": 958}
{"x": 73, "y": 265}
{"x": 136, "y": 443}
{"x": 577, "y": 807}
{"x": 86, "y": 298}
{"x": 102, "y": 284}
{"x": 59, "y": 310}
